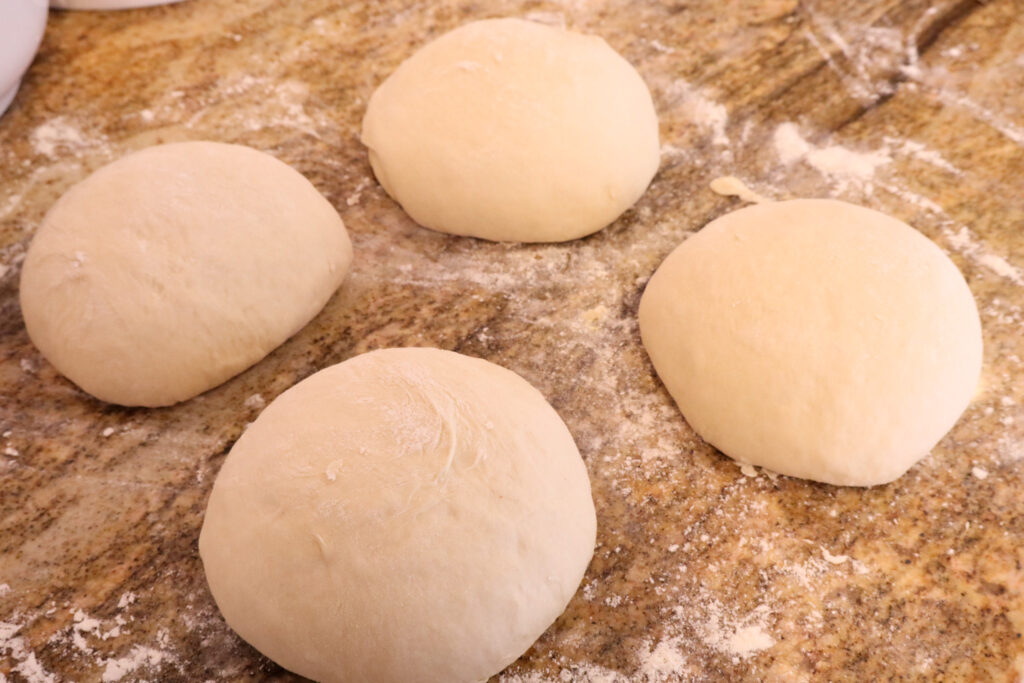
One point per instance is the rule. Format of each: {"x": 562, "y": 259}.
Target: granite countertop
{"x": 703, "y": 571}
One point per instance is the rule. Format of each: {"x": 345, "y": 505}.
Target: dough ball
{"x": 174, "y": 268}
{"x": 816, "y": 338}
{"x": 509, "y": 130}
{"x": 407, "y": 515}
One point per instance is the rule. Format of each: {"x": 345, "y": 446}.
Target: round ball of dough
{"x": 816, "y": 338}
{"x": 407, "y": 515}
{"x": 167, "y": 272}
{"x": 510, "y": 130}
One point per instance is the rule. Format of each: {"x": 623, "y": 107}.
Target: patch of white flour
{"x": 55, "y": 135}
{"x": 921, "y": 152}
{"x": 138, "y": 658}
{"x": 962, "y": 241}
{"x": 739, "y": 637}
{"x": 841, "y": 165}
{"x": 21, "y": 658}
{"x": 700, "y": 108}
{"x": 255, "y": 402}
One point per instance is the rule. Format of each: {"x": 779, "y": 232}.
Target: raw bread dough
{"x": 407, "y": 515}
{"x": 509, "y": 130}
{"x": 816, "y": 338}
{"x": 174, "y": 268}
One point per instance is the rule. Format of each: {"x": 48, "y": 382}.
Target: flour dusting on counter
{"x": 57, "y": 134}
{"x": 964, "y": 242}
{"x": 139, "y": 657}
{"x": 840, "y": 164}
{"x": 701, "y": 570}
{"x": 79, "y": 638}
{"x": 707, "y": 113}
{"x": 22, "y": 659}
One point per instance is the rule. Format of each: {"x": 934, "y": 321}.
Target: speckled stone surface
{"x": 702, "y": 572}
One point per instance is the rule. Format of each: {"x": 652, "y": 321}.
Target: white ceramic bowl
{"x": 21, "y": 28}
{"x": 105, "y": 4}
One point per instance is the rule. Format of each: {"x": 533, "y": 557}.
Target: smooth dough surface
{"x": 408, "y": 515}
{"x": 816, "y": 338}
{"x": 509, "y": 130}
{"x": 169, "y": 271}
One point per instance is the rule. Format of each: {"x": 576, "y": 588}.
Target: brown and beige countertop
{"x": 703, "y": 571}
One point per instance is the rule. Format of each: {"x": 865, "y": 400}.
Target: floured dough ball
{"x": 167, "y": 272}
{"x": 509, "y": 130}
{"x": 816, "y": 338}
{"x": 407, "y": 515}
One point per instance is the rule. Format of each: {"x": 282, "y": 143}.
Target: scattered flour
{"x": 737, "y": 637}
{"x": 663, "y": 661}
{"x": 1009, "y": 448}
{"x": 873, "y": 57}
{"x": 979, "y": 473}
{"x": 996, "y": 121}
{"x": 1000, "y": 266}
{"x": 82, "y": 636}
{"x": 839, "y": 164}
{"x": 962, "y": 241}
{"x": 21, "y": 658}
{"x": 255, "y": 401}
{"x": 922, "y": 152}
{"x": 912, "y": 198}
{"x": 12, "y": 203}
{"x": 700, "y": 108}
{"x": 661, "y": 47}
{"x": 353, "y": 198}
{"x": 709, "y": 114}
{"x": 266, "y": 102}
{"x": 253, "y": 103}
{"x": 56, "y": 134}
{"x": 139, "y": 657}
